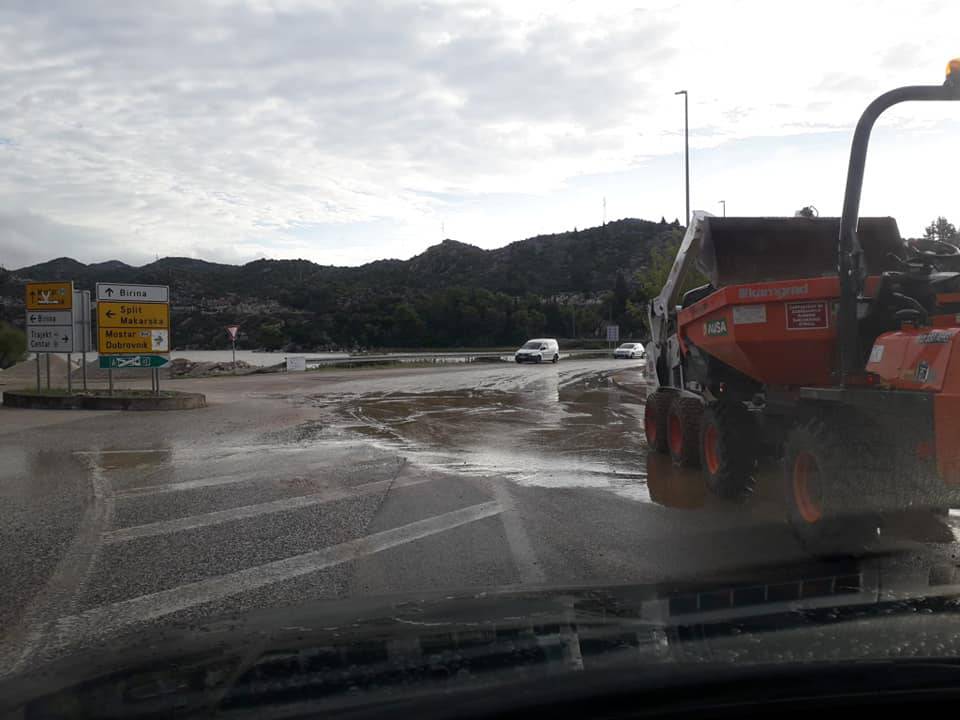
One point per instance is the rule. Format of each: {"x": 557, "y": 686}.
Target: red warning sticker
{"x": 807, "y": 316}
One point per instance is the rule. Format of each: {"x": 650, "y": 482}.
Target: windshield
{"x": 317, "y": 309}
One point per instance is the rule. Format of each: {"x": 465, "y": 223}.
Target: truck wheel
{"x": 728, "y": 460}
{"x": 821, "y": 483}
{"x": 655, "y": 419}
{"x": 683, "y": 430}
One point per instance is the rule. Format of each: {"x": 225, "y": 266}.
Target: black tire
{"x": 683, "y": 430}
{"x": 728, "y": 453}
{"x": 539, "y": 359}
{"x": 827, "y": 489}
{"x": 655, "y": 419}
{"x": 556, "y": 359}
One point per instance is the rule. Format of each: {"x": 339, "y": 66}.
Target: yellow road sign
{"x": 144, "y": 316}
{"x": 128, "y": 341}
{"x": 50, "y": 295}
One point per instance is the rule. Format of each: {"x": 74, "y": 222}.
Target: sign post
{"x": 613, "y": 334}
{"x": 81, "y": 334}
{"x": 49, "y": 322}
{"x": 133, "y": 328}
{"x": 232, "y": 332}
{"x": 81, "y": 328}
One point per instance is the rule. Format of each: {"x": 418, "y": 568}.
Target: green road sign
{"x": 120, "y": 362}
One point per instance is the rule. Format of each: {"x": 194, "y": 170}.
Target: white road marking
{"x": 109, "y": 619}
{"x": 212, "y": 481}
{"x": 216, "y": 480}
{"x": 122, "y": 452}
{"x": 189, "y": 450}
{"x": 521, "y": 549}
{"x": 66, "y": 582}
{"x": 164, "y": 527}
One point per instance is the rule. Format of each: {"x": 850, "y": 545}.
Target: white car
{"x": 538, "y": 350}
{"x": 630, "y": 351}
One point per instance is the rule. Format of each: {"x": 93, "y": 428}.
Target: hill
{"x": 451, "y": 294}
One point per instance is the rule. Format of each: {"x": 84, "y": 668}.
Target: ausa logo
{"x": 715, "y": 328}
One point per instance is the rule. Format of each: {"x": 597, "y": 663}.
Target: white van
{"x": 538, "y": 350}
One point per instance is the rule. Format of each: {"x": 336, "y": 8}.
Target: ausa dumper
{"x": 829, "y": 343}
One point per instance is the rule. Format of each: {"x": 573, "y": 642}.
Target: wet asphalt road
{"x": 337, "y": 484}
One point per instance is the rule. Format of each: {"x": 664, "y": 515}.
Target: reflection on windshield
{"x": 388, "y": 488}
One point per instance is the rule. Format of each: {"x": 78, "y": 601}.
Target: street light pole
{"x": 686, "y": 147}
{"x": 724, "y": 203}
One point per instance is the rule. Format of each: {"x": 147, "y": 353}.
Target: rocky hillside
{"x": 452, "y": 293}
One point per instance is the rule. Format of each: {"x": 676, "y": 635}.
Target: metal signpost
{"x": 50, "y": 327}
{"x": 133, "y": 328}
{"x": 82, "y": 335}
{"x": 613, "y": 334}
{"x": 232, "y": 332}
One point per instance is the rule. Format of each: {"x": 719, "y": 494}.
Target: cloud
{"x": 25, "y": 237}
{"x": 222, "y": 129}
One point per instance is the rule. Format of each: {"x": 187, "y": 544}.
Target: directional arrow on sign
{"x": 158, "y": 339}
{"x": 108, "y": 292}
{"x": 110, "y": 314}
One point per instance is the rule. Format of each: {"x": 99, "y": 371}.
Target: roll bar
{"x": 850, "y": 254}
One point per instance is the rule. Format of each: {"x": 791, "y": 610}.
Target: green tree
{"x": 408, "y": 328}
{"x": 620, "y": 295}
{"x": 652, "y": 278}
{"x": 635, "y": 319}
{"x": 940, "y": 229}
{"x": 13, "y": 345}
{"x": 271, "y": 337}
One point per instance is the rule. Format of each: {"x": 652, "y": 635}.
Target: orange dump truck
{"x": 826, "y": 343}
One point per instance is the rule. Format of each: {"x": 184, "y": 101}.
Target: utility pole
{"x": 686, "y": 148}
{"x": 724, "y": 203}
{"x": 604, "y": 210}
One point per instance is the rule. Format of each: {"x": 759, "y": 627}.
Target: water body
{"x": 261, "y": 359}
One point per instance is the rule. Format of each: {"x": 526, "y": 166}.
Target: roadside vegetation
{"x": 13, "y": 345}
{"x": 570, "y": 286}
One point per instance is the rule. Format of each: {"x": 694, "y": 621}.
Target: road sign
{"x": 613, "y": 333}
{"x": 132, "y": 319}
{"x": 133, "y": 293}
{"x": 232, "y": 331}
{"x": 53, "y": 317}
{"x": 50, "y": 295}
{"x": 130, "y": 341}
{"x": 117, "y": 362}
{"x": 133, "y": 315}
{"x": 82, "y": 337}
{"x": 296, "y": 364}
{"x": 55, "y": 338}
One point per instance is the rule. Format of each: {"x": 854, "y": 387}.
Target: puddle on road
{"x": 572, "y": 429}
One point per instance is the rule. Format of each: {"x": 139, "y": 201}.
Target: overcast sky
{"x": 349, "y": 131}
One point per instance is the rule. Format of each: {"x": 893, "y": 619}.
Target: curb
{"x": 29, "y": 400}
